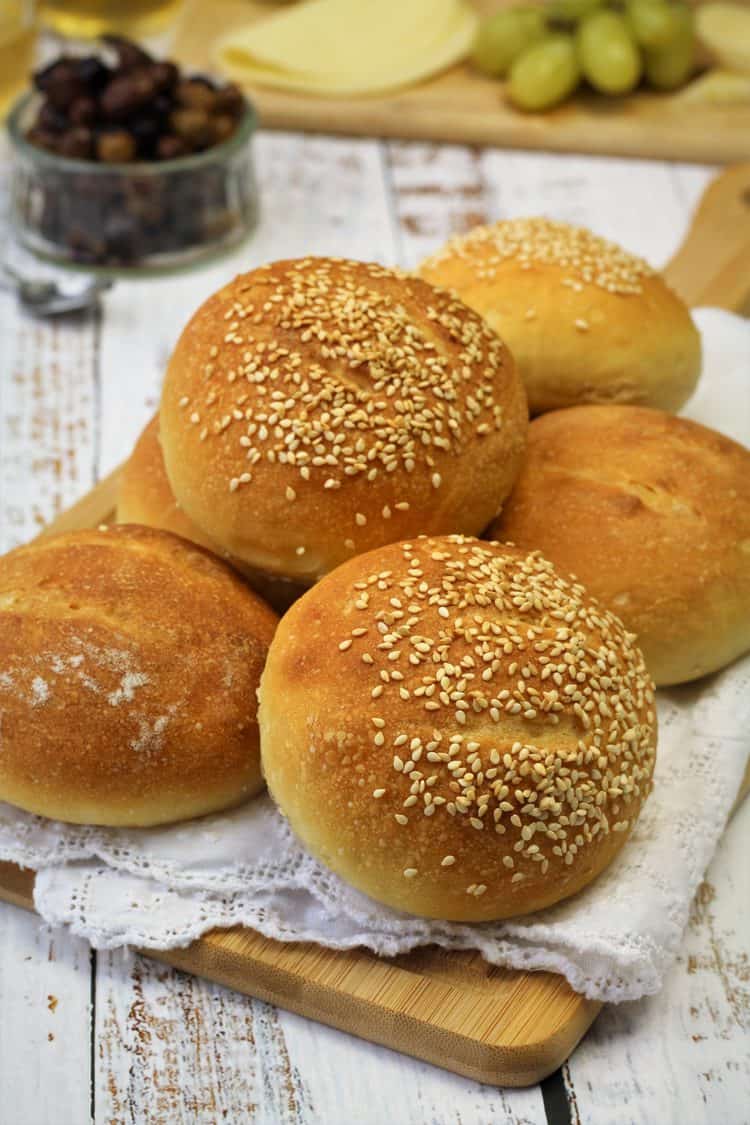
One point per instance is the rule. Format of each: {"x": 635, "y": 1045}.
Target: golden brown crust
{"x": 144, "y": 494}
{"x": 145, "y": 497}
{"x": 456, "y": 730}
{"x": 314, "y": 409}
{"x": 652, "y": 513}
{"x": 585, "y": 321}
{"x": 129, "y": 663}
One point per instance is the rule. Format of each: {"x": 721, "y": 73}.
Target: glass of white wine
{"x": 17, "y": 37}
{"x": 86, "y": 19}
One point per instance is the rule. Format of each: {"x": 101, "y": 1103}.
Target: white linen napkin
{"x": 613, "y": 941}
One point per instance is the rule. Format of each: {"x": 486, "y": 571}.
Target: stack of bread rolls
{"x": 461, "y": 727}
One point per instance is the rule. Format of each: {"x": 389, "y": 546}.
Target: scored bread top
{"x": 456, "y": 728}
{"x": 316, "y": 408}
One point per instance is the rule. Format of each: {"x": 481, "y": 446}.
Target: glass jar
{"x": 136, "y": 217}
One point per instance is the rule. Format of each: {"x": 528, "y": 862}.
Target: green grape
{"x": 671, "y": 67}
{"x": 571, "y": 11}
{"x": 610, "y": 59}
{"x": 503, "y": 37}
{"x": 654, "y": 23}
{"x": 545, "y": 74}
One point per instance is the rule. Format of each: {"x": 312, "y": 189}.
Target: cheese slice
{"x": 724, "y": 28}
{"x": 350, "y": 47}
{"x": 717, "y": 87}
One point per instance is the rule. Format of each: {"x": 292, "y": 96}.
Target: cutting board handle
{"x": 712, "y": 267}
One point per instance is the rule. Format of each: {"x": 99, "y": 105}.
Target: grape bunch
{"x": 545, "y": 52}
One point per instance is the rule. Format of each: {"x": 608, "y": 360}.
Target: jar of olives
{"x": 130, "y": 166}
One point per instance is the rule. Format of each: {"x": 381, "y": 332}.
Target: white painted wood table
{"x": 116, "y": 1038}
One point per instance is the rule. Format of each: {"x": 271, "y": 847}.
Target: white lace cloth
{"x": 614, "y": 941}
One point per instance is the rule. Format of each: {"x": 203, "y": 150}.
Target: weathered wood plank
{"x": 441, "y": 190}
{"x": 437, "y": 191}
{"x": 47, "y": 447}
{"x": 681, "y": 1058}
{"x": 48, "y": 416}
{"x": 173, "y": 1048}
{"x": 349, "y": 1080}
{"x": 634, "y": 202}
{"x": 45, "y": 1043}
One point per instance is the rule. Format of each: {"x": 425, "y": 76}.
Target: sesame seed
{"x": 507, "y": 612}
{"x": 447, "y": 861}
{"x": 587, "y": 259}
{"x": 410, "y": 872}
{"x": 378, "y": 793}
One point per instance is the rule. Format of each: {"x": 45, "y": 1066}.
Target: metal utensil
{"x": 44, "y": 297}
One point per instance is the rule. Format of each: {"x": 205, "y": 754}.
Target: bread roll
{"x": 456, "y": 730}
{"x": 315, "y": 409}
{"x": 145, "y": 496}
{"x": 129, "y": 664}
{"x": 585, "y": 320}
{"x": 652, "y": 513}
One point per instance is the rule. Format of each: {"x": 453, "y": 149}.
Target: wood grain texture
{"x": 440, "y": 190}
{"x": 462, "y": 106}
{"x": 44, "y": 1030}
{"x": 48, "y": 422}
{"x": 682, "y": 1056}
{"x": 173, "y": 1048}
{"x": 712, "y": 267}
{"x": 48, "y": 428}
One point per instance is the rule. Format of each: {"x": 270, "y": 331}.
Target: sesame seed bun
{"x": 457, "y": 730}
{"x": 145, "y": 496}
{"x": 652, "y": 513}
{"x": 315, "y": 409}
{"x": 585, "y": 320}
{"x": 107, "y": 715}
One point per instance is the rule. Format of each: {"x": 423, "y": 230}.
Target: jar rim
{"x": 15, "y": 125}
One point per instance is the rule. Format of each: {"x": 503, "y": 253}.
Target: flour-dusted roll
{"x": 317, "y": 408}
{"x": 585, "y": 320}
{"x": 456, "y": 729}
{"x": 129, "y": 665}
{"x": 652, "y": 514}
{"x": 145, "y": 496}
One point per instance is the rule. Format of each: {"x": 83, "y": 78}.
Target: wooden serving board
{"x": 498, "y": 1026}
{"x": 465, "y": 107}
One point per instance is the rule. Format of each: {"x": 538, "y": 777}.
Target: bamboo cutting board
{"x": 498, "y": 1026}
{"x": 464, "y": 107}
